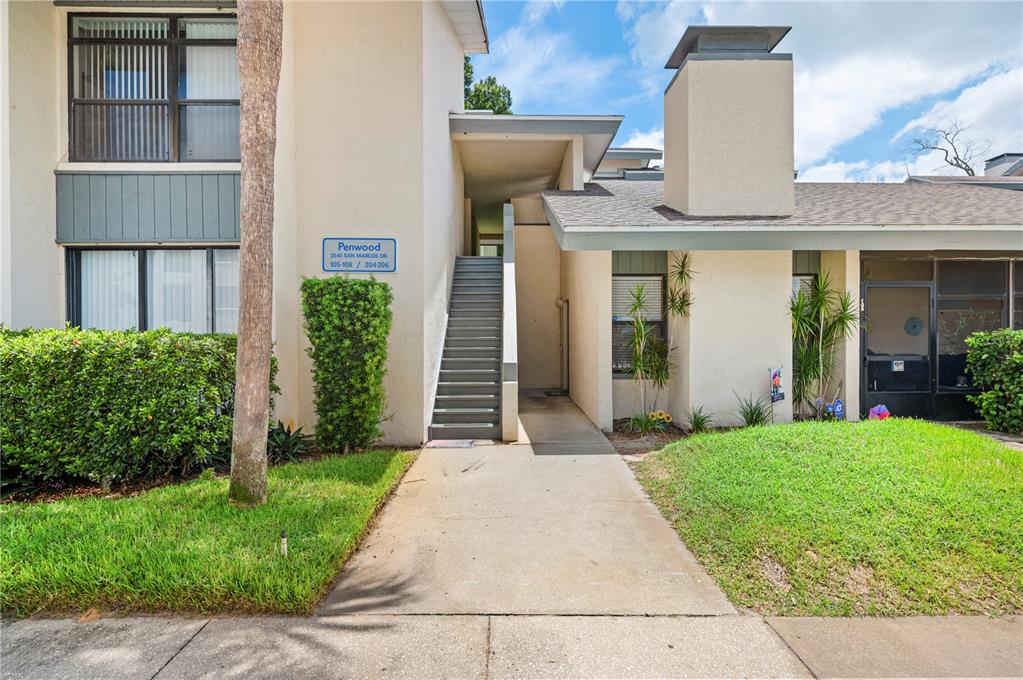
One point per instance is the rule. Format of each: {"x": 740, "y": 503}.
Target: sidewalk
{"x": 409, "y": 646}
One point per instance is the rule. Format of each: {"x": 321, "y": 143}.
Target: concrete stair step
{"x": 474, "y": 331}
{"x": 473, "y": 353}
{"x": 476, "y": 342}
{"x": 470, "y": 321}
{"x": 478, "y": 388}
{"x": 466, "y": 415}
{"x": 469, "y": 375}
{"x": 465, "y": 431}
{"x": 470, "y": 363}
{"x": 445, "y": 401}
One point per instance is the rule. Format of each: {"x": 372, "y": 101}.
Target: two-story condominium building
{"x": 511, "y": 242}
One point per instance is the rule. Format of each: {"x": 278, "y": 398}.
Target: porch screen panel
{"x": 209, "y": 89}
{"x": 972, "y": 296}
{"x": 119, "y": 105}
{"x": 178, "y": 297}
{"x": 109, "y": 289}
{"x": 225, "y": 291}
{"x": 1017, "y": 294}
{"x": 622, "y": 288}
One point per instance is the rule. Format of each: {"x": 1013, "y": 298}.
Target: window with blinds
{"x": 153, "y": 88}
{"x": 193, "y": 290}
{"x": 623, "y": 294}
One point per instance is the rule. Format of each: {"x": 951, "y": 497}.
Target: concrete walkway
{"x": 539, "y": 560}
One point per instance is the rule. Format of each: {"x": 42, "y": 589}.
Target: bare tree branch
{"x": 962, "y": 154}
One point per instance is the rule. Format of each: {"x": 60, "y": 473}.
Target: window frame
{"x": 660, "y": 324}
{"x": 174, "y": 104}
{"x": 73, "y": 284}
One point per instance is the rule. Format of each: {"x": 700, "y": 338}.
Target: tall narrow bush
{"x": 347, "y": 321}
{"x": 995, "y": 361}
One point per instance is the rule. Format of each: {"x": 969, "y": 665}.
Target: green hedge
{"x": 347, "y": 321}
{"x": 995, "y": 360}
{"x": 112, "y": 406}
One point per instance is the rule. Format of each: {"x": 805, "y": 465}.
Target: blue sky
{"x": 868, "y": 75}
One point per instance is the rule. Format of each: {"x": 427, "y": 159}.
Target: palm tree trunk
{"x": 260, "y": 29}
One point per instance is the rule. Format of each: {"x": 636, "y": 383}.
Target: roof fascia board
{"x": 472, "y": 123}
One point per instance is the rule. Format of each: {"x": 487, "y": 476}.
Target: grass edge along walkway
{"x": 892, "y": 518}
{"x": 183, "y": 548}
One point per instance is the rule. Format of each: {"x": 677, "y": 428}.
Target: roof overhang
{"x": 624, "y": 153}
{"x": 525, "y": 150}
{"x": 466, "y": 16}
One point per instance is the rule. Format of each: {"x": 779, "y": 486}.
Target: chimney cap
{"x": 725, "y": 40}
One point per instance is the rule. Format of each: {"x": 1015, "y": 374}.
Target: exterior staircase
{"x": 468, "y": 402}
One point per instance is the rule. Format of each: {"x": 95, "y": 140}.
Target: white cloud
{"x": 537, "y": 10}
{"x": 854, "y": 61}
{"x": 651, "y": 139}
{"x": 993, "y": 107}
{"x": 543, "y": 66}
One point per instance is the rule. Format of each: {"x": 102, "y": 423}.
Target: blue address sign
{"x": 360, "y": 254}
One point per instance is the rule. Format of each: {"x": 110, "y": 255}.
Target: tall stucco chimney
{"x": 728, "y": 123}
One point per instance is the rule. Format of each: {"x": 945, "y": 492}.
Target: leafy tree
{"x": 486, "y": 94}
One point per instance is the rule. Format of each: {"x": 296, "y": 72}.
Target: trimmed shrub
{"x": 995, "y": 360}
{"x": 347, "y": 321}
{"x": 112, "y": 406}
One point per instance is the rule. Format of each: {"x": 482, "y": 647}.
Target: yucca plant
{"x": 822, "y": 319}
{"x": 699, "y": 420}
{"x": 754, "y": 413}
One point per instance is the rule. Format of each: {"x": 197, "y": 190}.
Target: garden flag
{"x": 777, "y": 391}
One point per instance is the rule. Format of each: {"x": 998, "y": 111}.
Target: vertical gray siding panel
{"x": 162, "y": 206}
{"x": 147, "y": 211}
{"x": 65, "y": 207}
{"x": 178, "y": 207}
{"x": 114, "y": 209}
{"x": 147, "y": 207}
{"x": 237, "y": 203}
{"x": 83, "y": 210}
{"x": 227, "y": 205}
{"x": 130, "y": 207}
{"x": 193, "y": 207}
{"x": 97, "y": 208}
{"x": 210, "y": 208}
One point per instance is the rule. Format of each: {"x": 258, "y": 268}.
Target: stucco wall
{"x": 32, "y": 260}
{"x": 362, "y": 169}
{"x": 843, "y": 266}
{"x": 290, "y": 341}
{"x": 586, "y": 284}
{"x": 737, "y": 330}
{"x": 537, "y": 288}
{"x": 738, "y": 155}
{"x": 442, "y": 186}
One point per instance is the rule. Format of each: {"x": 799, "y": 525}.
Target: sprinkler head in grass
{"x": 284, "y": 543}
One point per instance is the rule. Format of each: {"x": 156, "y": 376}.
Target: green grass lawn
{"x": 887, "y": 517}
{"x": 184, "y": 548}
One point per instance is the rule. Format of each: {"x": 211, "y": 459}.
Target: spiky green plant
{"x": 699, "y": 420}
{"x": 754, "y": 413}
{"x": 822, "y": 319}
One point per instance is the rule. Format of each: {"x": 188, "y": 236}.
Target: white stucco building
{"x": 120, "y": 209}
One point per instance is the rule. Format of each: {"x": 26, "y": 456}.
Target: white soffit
{"x": 466, "y": 16}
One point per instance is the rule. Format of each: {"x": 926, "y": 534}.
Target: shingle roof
{"x": 963, "y": 179}
{"x": 610, "y": 203}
